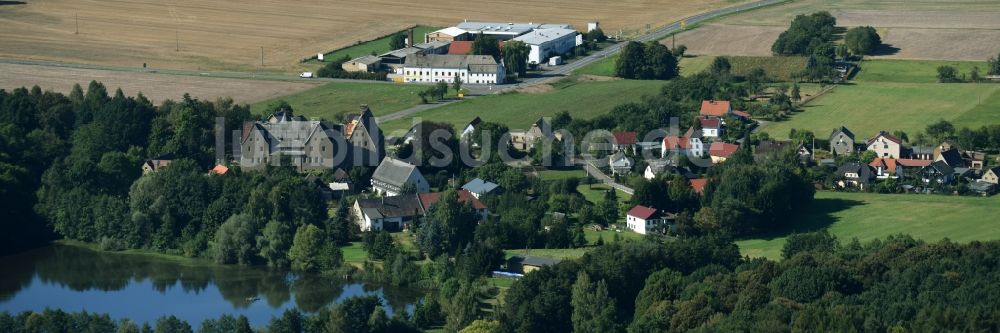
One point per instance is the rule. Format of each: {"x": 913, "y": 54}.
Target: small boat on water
{"x": 252, "y": 299}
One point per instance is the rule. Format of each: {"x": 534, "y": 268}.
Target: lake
{"x": 144, "y": 288}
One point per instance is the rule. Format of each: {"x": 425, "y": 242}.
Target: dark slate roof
{"x": 942, "y": 167}
{"x": 393, "y": 171}
{"x": 953, "y": 158}
{"x": 407, "y": 205}
{"x": 533, "y": 261}
{"x": 863, "y": 171}
{"x": 843, "y": 130}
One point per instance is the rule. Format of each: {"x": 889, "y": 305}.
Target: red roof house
{"x": 624, "y": 138}
{"x": 464, "y": 196}
{"x": 710, "y": 123}
{"x": 715, "y": 108}
{"x": 722, "y": 150}
{"x": 698, "y": 184}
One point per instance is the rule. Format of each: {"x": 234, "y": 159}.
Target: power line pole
{"x": 177, "y": 39}
{"x": 77, "y": 24}
{"x": 261, "y": 56}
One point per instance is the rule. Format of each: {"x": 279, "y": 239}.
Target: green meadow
{"x": 334, "y": 99}
{"x": 867, "y": 216}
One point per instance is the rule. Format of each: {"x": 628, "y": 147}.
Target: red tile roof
{"x": 642, "y": 212}
{"x": 889, "y": 164}
{"x": 624, "y": 138}
{"x": 910, "y": 163}
{"x": 429, "y": 199}
{"x": 741, "y": 114}
{"x": 675, "y": 142}
{"x": 219, "y": 170}
{"x": 715, "y": 108}
{"x": 460, "y": 47}
{"x": 710, "y": 123}
{"x": 722, "y": 149}
{"x": 698, "y": 184}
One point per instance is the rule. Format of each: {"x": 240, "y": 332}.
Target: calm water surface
{"x": 143, "y": 289}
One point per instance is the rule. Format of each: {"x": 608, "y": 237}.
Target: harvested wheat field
{"x": 229, "y": 34}
{"x": 156, "y": 87}
{"x": 721, "y": 39}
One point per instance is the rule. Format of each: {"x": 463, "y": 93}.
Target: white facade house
{"x": 545, "y": 43}
{"x": 642, "y": 219}
{"x": 392, "y": 175}
{"x": 471, "y": 69}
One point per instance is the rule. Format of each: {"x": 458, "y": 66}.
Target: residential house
{"x": 922, "y": 153}
{"x": 698, "y": 185}
{"x": 393, "y": 175}
{"x": 855, "y": 174}
{"x": 471, "y": 69}
{"x": 390, "y": 213}
{"x": 992, "y": 175}
{"x": 642, "y": 219}
{"x": 885, "y": 145}
{"x": 624, "y": 141}
{"x": 368, "y": 63}
{"x": 428, "y": 200}
{"x": 526, "y": 140}
{"x": 470, "y": 128}
{"x": 842, "y": 141}
{"x": 690, "y": 144}
{"x": 715, "y": 109}
{"x": 479, "y": 187}
{"x": 655, "y": 168}
{"x": 720, "y": 151}
{"x": 938, "y": 172}
{"x": 952, "y": 157}
{"x": 711, "y": 127}
{"x": 157, "y": 164}
{"x": 365, "y": 139}
{"x": 974, "y": 159}
{"x": 890, "y": 168}
{"x": 527, "y": 264}
{"x": 620, "y": 164}
{"x": 945, "y": 146}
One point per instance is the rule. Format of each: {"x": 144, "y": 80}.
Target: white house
{"x": 690, "y": 144}
{"x": 471, "y": 69}
{"x": 388, "y": 213}
{"x": 545, "y": 43}
{"x": 393, "y": 175}
{"x": 619, "y": 163}
{"x": 642, "y": 219}
{"x": 711, "y": 127}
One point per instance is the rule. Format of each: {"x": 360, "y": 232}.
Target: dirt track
{"x": 156, "y": 87}
{"x": 229, "y": 34}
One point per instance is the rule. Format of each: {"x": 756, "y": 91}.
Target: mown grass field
{"x": 333, "y": 99}
{"x": 868, "y": 216}
{"x": 595, "y": 193}
{"x": 777, "y": 68}
{"x": 377, "y": 46}
{"x": 689, "y": 65}
{"x": 518, "y": 110}
{"x": 896, "y": 95}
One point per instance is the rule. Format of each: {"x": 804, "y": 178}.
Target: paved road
{"x": 415, "y": 109}
{"x": 597, "y": 174}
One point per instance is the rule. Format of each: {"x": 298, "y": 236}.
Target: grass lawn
{"x": 868, "y": 216}
{"x": 911, "y": 71}
{"x": 333, "y": 99}
{"x": 354, "y": 253}
{"x": 777, "y": 68}
{"x": 518, "y": 110}
{"x": 595, "y": 193}
{"x": 377, "y": 46}
{"x": 691, "y": 65}
{"x": 549, "y": 253}
{"x": 867, "y": 107}
{"x": 609, "y": 236}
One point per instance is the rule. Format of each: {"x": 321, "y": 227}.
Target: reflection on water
{"x": 143, "y": 288}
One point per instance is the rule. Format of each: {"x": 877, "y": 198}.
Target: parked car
{"x": 306, "y": 75}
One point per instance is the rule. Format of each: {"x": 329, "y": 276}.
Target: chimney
{"x": 409, "y": 38}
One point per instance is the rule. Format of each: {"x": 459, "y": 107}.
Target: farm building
{"x": 500, "y": 31}
{"x": 367, "y": 63}
{"x": 528, "y": 264}
{"x": 471, "y": 69}
{"x": 549, "y": 42}
{"x": 451, "y": 34}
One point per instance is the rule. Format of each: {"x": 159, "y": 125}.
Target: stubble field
{"x": 156, "y": 87}
{"x": 926, "y": 30}
{"x": 229, "y": 34}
